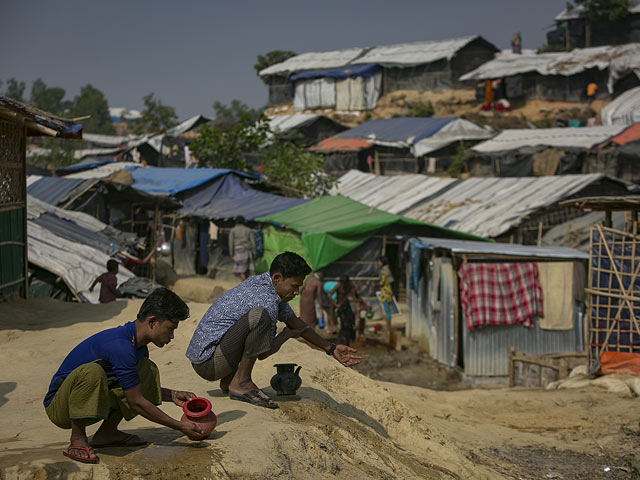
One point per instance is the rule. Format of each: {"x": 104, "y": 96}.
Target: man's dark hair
{"x": 384, "y": 260}
{"x": 240, "y": 220}
{"x": 165, "y": 304}
{"x": 290, "y": 264}
{"x": 112, "y": 266}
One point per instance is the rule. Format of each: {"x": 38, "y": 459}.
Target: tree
{"x": 91, "y": 101}
{"x": 271, "y": 58}
{"x": 59, "y": 152}
{"x": 15, "y": 90}
{"x": 285, "y": 162}
{"x": 227, "y": 116}
{"x": 602, "y": 9}
{"x": 49, "y": 99}
{"x": 156, "y": 117}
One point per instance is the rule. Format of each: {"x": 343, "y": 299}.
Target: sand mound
{"x": 343, "y": 425}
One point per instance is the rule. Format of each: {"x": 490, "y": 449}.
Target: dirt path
{"x": 342, "y": 425}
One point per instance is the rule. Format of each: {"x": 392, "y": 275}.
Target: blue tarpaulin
{"x": 350, "y": 71}
{"x": 408, "y": 130}
{"x": 75, "y": 233}
{"x": 55, "y": 189}
{"x": 170, "y": 181}
{"x": 87, "y": 164}
{"x": 230, "y": 197}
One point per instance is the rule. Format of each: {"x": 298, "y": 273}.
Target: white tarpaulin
{"x": 580, "y": 137}
{"x": 315, "y": 93}
{"x": 624, "y": 110}
{"x": 458, "y": 130}
{"x": 359, "y": 93}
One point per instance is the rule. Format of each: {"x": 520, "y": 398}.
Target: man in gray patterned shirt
{"x": 240, "y": 327}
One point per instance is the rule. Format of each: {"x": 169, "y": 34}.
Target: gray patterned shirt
{"x": 256, "y": 291}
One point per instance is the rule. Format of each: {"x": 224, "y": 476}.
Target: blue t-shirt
{"x": 115, "y": 349}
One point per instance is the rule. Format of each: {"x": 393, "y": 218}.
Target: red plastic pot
{"x": 198, "y": 411}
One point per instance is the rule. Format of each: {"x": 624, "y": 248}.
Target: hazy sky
{"x": 191, "y": 53}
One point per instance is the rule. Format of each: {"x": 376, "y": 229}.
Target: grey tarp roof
{"x": 399, "y": 55}
{"x": 486, "y": 207}
{"x": 619, "y": 59}
{"x": 624, "y": 110}
{"x": 579, "y": 137}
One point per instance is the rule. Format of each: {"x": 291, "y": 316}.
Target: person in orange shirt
{"x": 592, "y": 88}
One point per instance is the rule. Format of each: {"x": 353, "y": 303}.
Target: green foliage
{"x": 456, "y": 167}
{"x": 290, "y": 165}
{"x": 271, "y": 58}
{"x": 367, "y": 117}
{"x": 91, "y": 101}
{"x": 285, "y": 162}
{"x": 156, "y": 117}
{"x": 422, "y": 109}
{"x": 59, "y": 153}
{"x": 229, "y": 115}
{"x": 49, "y": 99}
{"x": 15, "y": 90}
{"x": 225, "y": 147}
{"x": 602, "y": 9}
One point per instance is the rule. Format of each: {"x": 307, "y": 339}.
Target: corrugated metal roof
{"x": 394, "y": 194}
{"x": 619, "y": 59}
{"x": 284, "y": 123}
{"x": 402, "y": 54}
{"x": 486, "y": 207}
{"x": 624, "y": 110}
{"x": 580, "y": 137}
{"x": 333, "y": 144}
{"x": 54, "y": 190}
{"x": 469, "y": 246}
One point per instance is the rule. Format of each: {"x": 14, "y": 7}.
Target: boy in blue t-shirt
{"x": 109, "y": 377}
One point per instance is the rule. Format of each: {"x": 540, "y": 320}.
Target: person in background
{"x": 109, "y": 377}
{"x": 592, "y": 89}
{"x": 329, "y": 303}
{"x": 108, "y": 283}
{"x": 310, "y": 293}
{"x": 242, "y": 248}
{"x": 346, "y": 293}
{"x": 386, "y": 292}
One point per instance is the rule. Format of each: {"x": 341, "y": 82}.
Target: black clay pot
{"x": 286, "y": 381}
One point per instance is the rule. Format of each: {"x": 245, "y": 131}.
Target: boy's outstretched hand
{"x": 345, "y": 355}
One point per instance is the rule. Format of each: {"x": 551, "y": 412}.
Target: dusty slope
{"x": 343, "y": 426}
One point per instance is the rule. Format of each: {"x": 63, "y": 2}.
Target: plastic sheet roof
{"x": 619, "y": 59}
{"x": 579, "y": 137}
{"x": 624, "y": 110}
{"x": 394, "y": 194}
{"x": 186, "y": 125}
{"x": 230, "y": 197}
{"x": 349, "y": 71}
{"x": 399, "y": 55}
{"x": 54, "y": 190}
{"x": 284, "y": 123}
{"x": 104, "y": 170}
{"x": 105, "y": 140}
{"x": 486, "y": 207}
{"x": 170, "y": 181}
{"x": 87, "y": 164}
{"x": 469, "y": 246}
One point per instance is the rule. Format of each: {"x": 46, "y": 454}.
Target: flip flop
{"x": 254, "y": 398}
{"x": 130, "y": 440}
{"x": 78, "y": 458}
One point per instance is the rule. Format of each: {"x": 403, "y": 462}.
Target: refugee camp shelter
{"x": 617, "y": 157}
{"x": 393, "y": 146}
{"x": 17, "y": 122}
{"x": 209, "y": 212}
{"x": 345, "y": 237}
{"x": 614, "y": 287}
{"x": 573, "y": 30}
{"x": 354, "y": 79}
{"x": 540, "y": 152}
{"x": 624, "y": 110}
{"x": 462, "y": 304}
{"x": 513, "y": 210}
{"x": 562, "y": 76}
{"x": 311, "y": 128}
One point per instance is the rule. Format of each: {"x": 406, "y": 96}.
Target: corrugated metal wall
{"x": 445, "y": 320}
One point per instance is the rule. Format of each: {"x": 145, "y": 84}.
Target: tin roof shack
{"x": 515, "y": 210}
{"x": 614, "y": 287}
{"x": 345, "y": 237}
{"x": 354, "y": 79}
{"x": 573, "y": 30}
{"x": 562, "y": 76}
{"x": 311, "y": 128}
{"x": 17, "y": 122}
{"x": 617, "y": 157}
{"x": 538, "y": 152}
{"x": 395, "y": 146}
{"x": 443, "y": 292}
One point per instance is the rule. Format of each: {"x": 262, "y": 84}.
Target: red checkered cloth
{"x": 500, "y": 294}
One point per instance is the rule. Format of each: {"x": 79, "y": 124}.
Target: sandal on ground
{"x": 130, "y": 440}
{"x": 79, "y": 458}
{"x": 254, "y": 398}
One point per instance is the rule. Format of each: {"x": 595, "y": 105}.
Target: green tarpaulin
{"x": 330, "y": 227}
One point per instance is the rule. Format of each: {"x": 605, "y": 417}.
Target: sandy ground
{"x": 342, "y": 425}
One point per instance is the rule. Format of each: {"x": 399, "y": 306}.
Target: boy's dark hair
{"x": 163, "y": 303}
{"x": 112, "y": 266}
{"x": 290, "y": 264}
{"x": 384, "y": 260}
